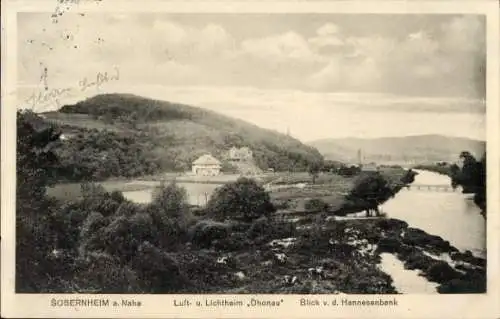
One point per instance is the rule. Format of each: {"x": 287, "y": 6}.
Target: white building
{"x": 206, "y": 165}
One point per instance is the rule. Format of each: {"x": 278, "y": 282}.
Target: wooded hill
{"x": 121, "y": 135}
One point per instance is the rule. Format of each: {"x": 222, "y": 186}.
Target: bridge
{"x": 430, "y": 187}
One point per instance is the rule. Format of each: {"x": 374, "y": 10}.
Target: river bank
{"x": 433, "y": 211}
{"x": 338, "y": 256}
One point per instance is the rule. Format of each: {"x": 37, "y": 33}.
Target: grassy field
{"x": 330, "y": 188}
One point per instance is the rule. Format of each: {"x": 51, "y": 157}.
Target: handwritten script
{"x": 63, "y": 6}
{"x": 47, "y": 96}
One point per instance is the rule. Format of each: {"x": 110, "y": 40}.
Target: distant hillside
{"x": 421, "y": 148}
{"x": 126, "y": 135}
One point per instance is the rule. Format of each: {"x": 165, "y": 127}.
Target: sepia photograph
{"x": 251, "y": 153}
{"x": 256, "y": 153}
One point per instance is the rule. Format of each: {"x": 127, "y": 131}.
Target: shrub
{"x": 389, "y": 245}
{"x": 266, "y": 229}
{"x": 416, "y": 260}
{"x": 170, "y": 201}
{"x": 260, "y": 227}
{"x": 96, "y": 198}
{"x": 123, "y": 235}
{"x": 102, "y": 273}
{"x": 243, "y": 199}
{"x": 316, "y": 205}
{"x": 204, "y": 232}
{"x": 372, "y": 189}
{"x": 235, "y": 241}
{"x": 441, "y": 271}
{"x": 158, "y": 270}
{"x": 391, "y": 224}
{"x": 461, "y": 286}
{"x": 93, "y": 222}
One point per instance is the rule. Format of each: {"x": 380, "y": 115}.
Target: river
{"x": 450, "y": 215}
{"x": 197, "y": 193}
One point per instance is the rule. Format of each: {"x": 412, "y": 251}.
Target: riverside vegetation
{"x": 471, "y": 176}
{"x": 103, "y": 243}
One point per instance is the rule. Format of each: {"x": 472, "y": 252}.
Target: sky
{"x": 317, "y": 75}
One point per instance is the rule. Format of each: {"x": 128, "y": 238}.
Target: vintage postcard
{"x": 250, "y": 159}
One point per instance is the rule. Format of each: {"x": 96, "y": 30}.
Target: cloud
{"x": 442, "y": 59}
{"x": 329, "y": 77}
{"x": 465, "y": 33}
{"x": 286, "y": 47}
{"x": 185, "y": 42}
{"x": 327, "y": 29}
{"x": 327, "y": 37}
{"x": 163, "y": 50}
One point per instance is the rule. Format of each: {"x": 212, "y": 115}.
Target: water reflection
{"x": 404, "y": 280}
{"x": 450, "y": 215}
{"x": 198, "y": 193}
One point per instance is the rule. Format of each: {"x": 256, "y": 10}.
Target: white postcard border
{"x": 410, "y": 306}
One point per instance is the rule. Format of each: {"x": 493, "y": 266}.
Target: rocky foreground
{"x": 336, "y": 257}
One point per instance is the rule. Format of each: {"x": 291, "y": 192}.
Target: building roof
{"x": 206, "y": 159}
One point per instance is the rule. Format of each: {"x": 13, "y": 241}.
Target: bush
{"x": 243, "y": 199}
{"x": 260, "y": 227}
{"x": 96, "y": 198}
{"x": 102, "y": 273}
{"x": 205, "y": 232}
{"x": 158, "y": 270}
{"x": 123, "y": 235}
{"x": 389, "y": 245}
{"x": 391, "y": 224}
{"x": 316, "y": 205}
{"x": 416, "y": 260}
{"x": 266, "y": 229}
{"x": 460, "y": 286}
{"x": 170, "y": 201}
{"x": 372, "y": 189}
{"x": 441, "y": 271}
{"x": 235, "y": 241}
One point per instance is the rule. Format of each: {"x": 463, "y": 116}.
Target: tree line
{"x": 104, "y": 243}
{"x": 470, "y": 176}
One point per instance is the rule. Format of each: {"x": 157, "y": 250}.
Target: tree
{"x": 171, "y": 215}
{"x": 36, "y": 163}
{"x": 170, "y": 201}
{"x": 314, "y": 170}
{"x": 371, "y": 190}
{"x": 469, "y": 173}
{"x": 243, "y": 199}
{"x": 472, "y": 178}
{"x": 480, "y": 195}
{"x": 409, "y": 177}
